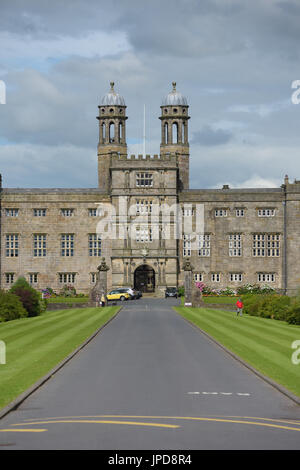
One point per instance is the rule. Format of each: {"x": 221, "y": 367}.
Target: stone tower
{"x": 112, "y": 133}
{"x": 174, "y": 132}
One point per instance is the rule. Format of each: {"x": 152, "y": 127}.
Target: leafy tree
{"x": 30, "y": 298}
{"x": 11, "y": 307}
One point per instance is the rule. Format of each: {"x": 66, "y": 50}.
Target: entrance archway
{"x": 144, "y": 278}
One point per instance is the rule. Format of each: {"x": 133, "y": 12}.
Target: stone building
{"x": 144, "y": 220}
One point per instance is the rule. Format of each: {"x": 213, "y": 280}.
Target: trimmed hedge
{"x": 278, "y": 307}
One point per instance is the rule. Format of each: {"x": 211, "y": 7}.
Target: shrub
{"x": 181, "y": 291}
{"x": 11, "y": 307}
{"x": 68, "y": 291}
{"x": 48, "y": 292}
{"x": 293, "y": 313}
{"x": 267, "y": 306}
{"x": 255, "y": 289}
{"x": 30, "y": 298}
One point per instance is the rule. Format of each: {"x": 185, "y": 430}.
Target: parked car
{"x": 129, "y": 291}
{"x": 117, "y": 295}
{"x": 138, "y": 294}
{"x": 171, "y": 292}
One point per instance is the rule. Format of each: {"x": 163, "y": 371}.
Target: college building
{"x": 145, "y": 221}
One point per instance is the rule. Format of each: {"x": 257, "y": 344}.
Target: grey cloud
{"x": 209, "y": 136}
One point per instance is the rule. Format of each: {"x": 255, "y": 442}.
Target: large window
{"x": 235, "y": 244}
{"x": 12, "y": 245}
{"x": 204, "y": 245}
{"x": 143, "y": 234}
{"x": 187, "y": 245}
{"x": 144, "y": 180}
{"x": 95, "y": 248}
{"x": 143, "y": 206}
{"x": 67, "y": 244}
{"x": 39, "y": 245}
{"x": 266, "y": 244}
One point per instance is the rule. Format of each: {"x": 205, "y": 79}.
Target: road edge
{"x": 267, "y": 379}
{"x": 17, "y": 401}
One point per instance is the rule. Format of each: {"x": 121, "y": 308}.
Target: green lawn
{"x": 68, "y": 300}
{"x": 219, "y": 299}
{"x": 35, "y": 345}
{"x": 263, "y": 343}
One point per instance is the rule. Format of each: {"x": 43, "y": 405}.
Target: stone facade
{"x": 51, "y": 236}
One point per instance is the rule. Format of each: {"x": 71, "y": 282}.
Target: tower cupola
{"x": 174, "y": 131}
{"x": 112, "y": 132}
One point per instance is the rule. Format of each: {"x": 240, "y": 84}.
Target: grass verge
{"x": 219, "y": 299}
{"x": 68, "y": 300}
{"x": 265, "y": 344}
{"x": 35, "y": 345}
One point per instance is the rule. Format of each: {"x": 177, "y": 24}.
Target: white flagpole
{"x": 144, "y": 136}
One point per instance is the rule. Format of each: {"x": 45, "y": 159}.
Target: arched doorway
{"x": 144, "y": 278}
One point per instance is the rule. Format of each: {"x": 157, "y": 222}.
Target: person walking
{"x": 103, "y": 301}
{"x": 239, "y": 307}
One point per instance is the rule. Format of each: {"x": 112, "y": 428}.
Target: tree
{"x": 11, "y": 307}
{"x": 29, "y": 297}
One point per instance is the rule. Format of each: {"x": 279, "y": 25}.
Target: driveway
{"x": 150, "y": 380}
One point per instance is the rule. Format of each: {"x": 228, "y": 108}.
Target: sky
{"x": 234, "y": 61}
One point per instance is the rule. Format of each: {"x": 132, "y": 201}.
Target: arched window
{"x": 175, "y": 133}
{"x": 102, "y": 133}
{"x": 185, "y": 135}
{"x": 111, "y": 132}
{"x": 121, "y": 137}
{"x": 165, "y": 133}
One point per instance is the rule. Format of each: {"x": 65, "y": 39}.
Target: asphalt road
{"x": 150, "y": 380}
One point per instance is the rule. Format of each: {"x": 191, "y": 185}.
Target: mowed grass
{"x": 263, "y": 343}
{"x": 35, "y": 345}
{"x": 68, "y": 300}
{"x": 220, "y": 299}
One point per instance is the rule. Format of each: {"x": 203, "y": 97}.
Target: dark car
{"x": 171, "y": 292}
{"x": 138, "y": 293}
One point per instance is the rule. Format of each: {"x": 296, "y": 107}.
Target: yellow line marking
{"x": 188, "y": 418}
{"x": 23, "y": 430}
{"x": 133, "y": 423}
{"x": 297, "y": 423}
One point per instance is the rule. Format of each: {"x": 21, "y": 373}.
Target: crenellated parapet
{"x": 171, "y": 157}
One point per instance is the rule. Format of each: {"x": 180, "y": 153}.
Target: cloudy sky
{"x": 235, "y": 62}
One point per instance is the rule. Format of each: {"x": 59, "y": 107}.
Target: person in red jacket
{"x": 239, "y": 307}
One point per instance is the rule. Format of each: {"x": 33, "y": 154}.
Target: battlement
{"x": 124, "y": 157}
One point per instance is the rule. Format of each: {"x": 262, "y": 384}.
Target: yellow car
{"x": 117, "y": 295}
